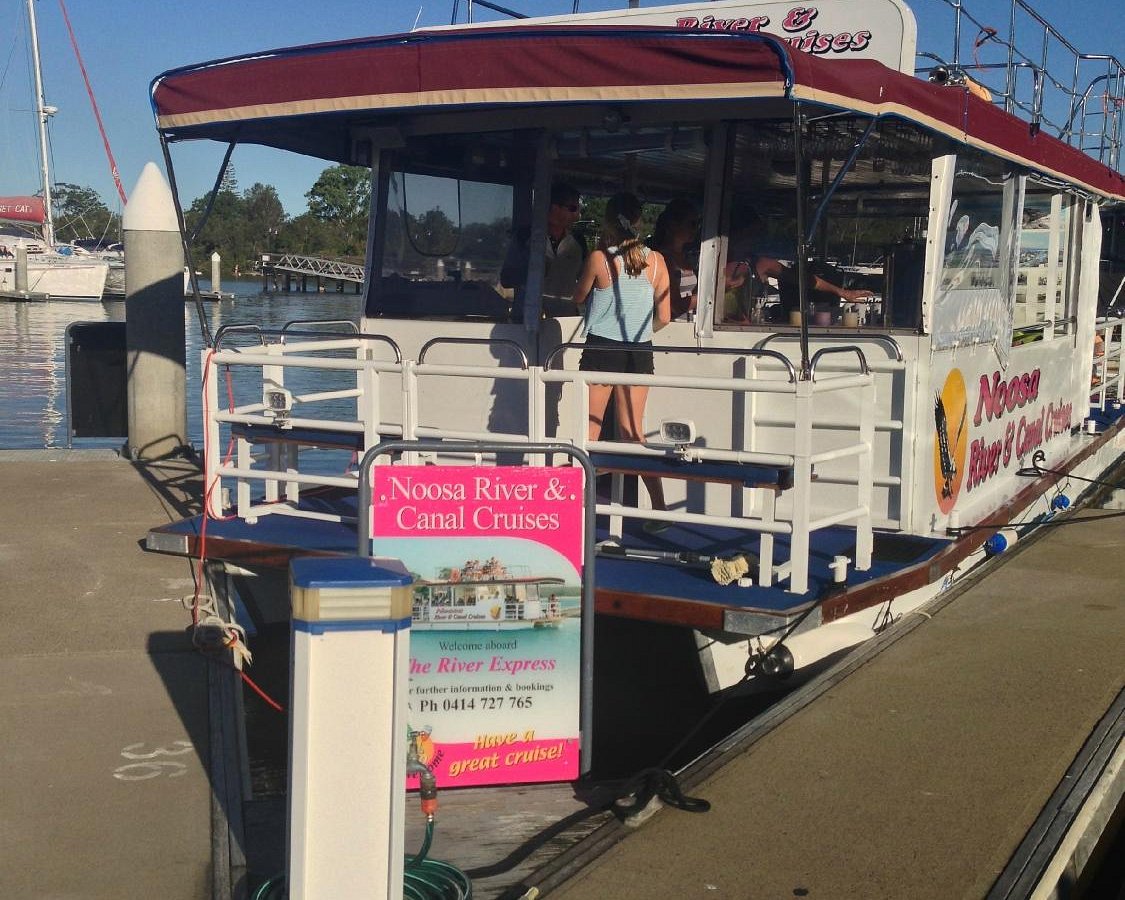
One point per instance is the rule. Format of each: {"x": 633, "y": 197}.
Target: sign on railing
{"x": 496, "y": 641}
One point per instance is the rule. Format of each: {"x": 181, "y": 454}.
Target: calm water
{"x": 33, "y": 354}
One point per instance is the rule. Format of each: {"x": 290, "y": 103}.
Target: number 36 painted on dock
{"x": 149, "y": 764}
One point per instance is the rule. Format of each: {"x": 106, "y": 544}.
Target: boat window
{"x": 661, "y": 164}
{"x": 974, "y": 302}
{"x": 445, "y": 231}
{"x": 869, "y": 237}
{"x": 1045, "y": 283}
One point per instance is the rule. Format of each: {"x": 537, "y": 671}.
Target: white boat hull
{"x": 61, "y": 280}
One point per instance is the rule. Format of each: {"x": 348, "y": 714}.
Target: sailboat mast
{"x": 43, "y": 112}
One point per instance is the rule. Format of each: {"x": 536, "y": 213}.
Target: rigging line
{"x": 94, "y": 103}
{"x": 214, "y": 193}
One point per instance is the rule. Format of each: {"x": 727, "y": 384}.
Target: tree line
{"x": 243, "y": 224}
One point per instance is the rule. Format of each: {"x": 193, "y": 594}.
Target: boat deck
{"x": 665, "y": 588}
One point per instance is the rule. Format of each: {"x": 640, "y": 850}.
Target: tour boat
{"x": 829, "y": 467}
{"x": 485, "y": 596}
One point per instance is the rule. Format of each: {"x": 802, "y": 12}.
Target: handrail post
{"x": 802, "y": 487}
{"x": 864, "y": 537}
{"x": 409, "y": 404}
{"x": 212, "y": 482}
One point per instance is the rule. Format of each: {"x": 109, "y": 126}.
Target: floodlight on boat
{"x": 680, "y": 432}
{"x": 278, "y": 402}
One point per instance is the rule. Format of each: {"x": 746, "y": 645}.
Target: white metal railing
{"x": 1033, "y": 71}
{"x": 1108, "y": 376}
{"x": 280, "y": 477}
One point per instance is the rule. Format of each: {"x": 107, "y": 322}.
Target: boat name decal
{"x": 986, "y": 458}
{"x": 797, "y": 19}
{"x": 495, "y": 664}
{"x": 997, "y": 397}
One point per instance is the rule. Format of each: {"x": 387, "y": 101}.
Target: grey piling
{"x": 216, "y": 273}
{"x": 154, "y": 320}
{"x": 21, "y": 270}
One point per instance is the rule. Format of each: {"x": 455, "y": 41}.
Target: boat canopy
{"x": 317, "y": 100}
{"x": 25, "y": 210}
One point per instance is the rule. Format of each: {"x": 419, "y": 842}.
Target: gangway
{"x": 276, "y": 266}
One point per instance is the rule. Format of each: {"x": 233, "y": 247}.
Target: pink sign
{"x": 495, "y": 643}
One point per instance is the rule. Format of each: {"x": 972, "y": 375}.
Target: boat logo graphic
{"x": 951, "y": 439}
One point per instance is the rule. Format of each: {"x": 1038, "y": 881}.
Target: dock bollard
{"x": 347, "y": 728}
{"x": 21, "y": 269}
{"x": 154, "y": 320}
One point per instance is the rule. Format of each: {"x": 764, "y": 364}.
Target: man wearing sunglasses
{"x": 565, "y": 253}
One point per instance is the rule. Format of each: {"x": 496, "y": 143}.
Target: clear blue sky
{"x": 125, "y": 43}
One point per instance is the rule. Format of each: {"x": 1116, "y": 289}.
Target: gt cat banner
{"x": 495, "y": 649}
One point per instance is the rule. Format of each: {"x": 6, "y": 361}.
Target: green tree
{"x": 341, "y": 196}
{"x": 264, "y": 217}
{"x": 79, "y": 213}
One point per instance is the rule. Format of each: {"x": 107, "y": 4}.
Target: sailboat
{"x": 31, "y": 266}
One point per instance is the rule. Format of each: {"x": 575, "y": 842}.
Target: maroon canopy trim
{"x": 482, "y": 67}
{"x": 269, "y": 98}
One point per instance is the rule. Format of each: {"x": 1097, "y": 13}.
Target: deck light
{"x": 278, "y": 403}
{"x": 677, "y": 431}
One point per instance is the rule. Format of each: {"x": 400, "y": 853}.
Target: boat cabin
{"x": 896, "y": 300}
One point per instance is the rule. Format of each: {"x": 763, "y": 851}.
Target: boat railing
{"x": 738, "y": 466}
{"x": 1084, "y": 106}
{"x": 1108, "y": 376}
{"x": 275, "y": 423}
{"x": 276, "y": 418}
{"x": 892, "y": 379}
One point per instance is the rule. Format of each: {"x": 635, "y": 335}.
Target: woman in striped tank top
{"x": 624, "y": 287}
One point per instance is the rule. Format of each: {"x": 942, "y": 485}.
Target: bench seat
{"x": 747, "y": 475}
{"x": 325, "y": 438}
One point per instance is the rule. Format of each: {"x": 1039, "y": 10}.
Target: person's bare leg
{"x": 598, "y": 401}
{"x": 631, "y": 401}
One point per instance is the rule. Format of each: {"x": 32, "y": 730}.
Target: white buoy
{"x": 154, "y": 319}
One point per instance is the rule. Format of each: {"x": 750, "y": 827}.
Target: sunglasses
{"x": 569, "y": 207}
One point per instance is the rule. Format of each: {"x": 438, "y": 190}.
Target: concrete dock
{"x": 939, "y": 760}
{"x": 925, "y": 766}
{"x": 104, "y": 707}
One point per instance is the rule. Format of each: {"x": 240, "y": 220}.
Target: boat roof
{"x": 484, "y": 582}
{"x": 311, "y": 99}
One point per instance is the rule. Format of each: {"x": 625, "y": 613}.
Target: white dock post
{"x": 216, "y": 273}
{"x": 347, "y": 729}
{"x": 154, "y": 320}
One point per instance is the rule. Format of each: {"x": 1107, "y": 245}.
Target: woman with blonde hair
{"x": 624, "y": 287}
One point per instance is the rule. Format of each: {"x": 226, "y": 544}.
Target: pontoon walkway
{"x": 111, "y": 783}
{"x": 927, "y": 767}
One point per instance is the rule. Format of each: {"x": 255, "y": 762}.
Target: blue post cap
{"x": 348, "y": 572}
{"x": 352, "y": 591}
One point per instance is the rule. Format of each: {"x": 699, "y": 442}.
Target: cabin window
{"x": 662, "y": 165}
{"x": 445, "y": 230}
{"x": 869, "y": 236}
{"x": 1045, "y": 284}
{"x": 974, "y": 302}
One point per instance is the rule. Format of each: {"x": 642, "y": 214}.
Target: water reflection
{"x": 33, "y": 354}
